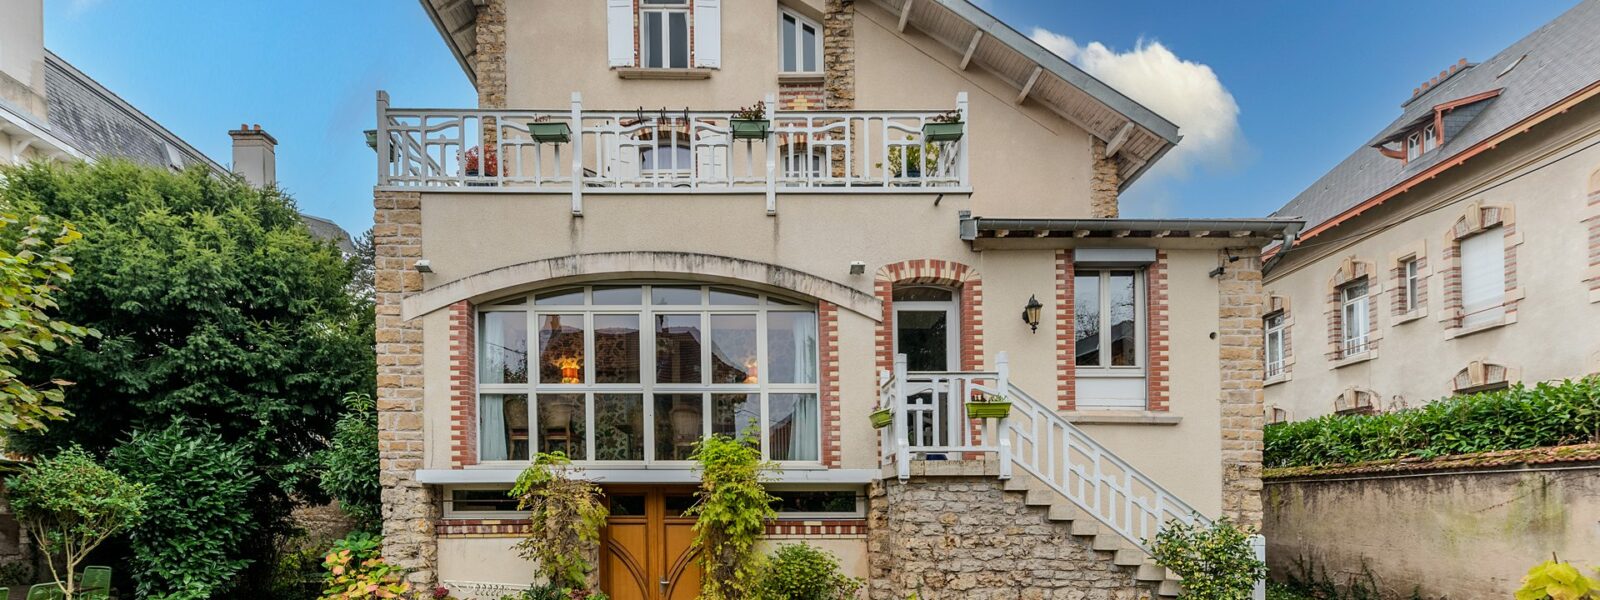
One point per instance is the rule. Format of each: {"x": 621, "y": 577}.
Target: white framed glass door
{"x": 927, "y": 329}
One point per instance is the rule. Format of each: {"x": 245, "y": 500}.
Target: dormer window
{"x": 1421, "y": 142}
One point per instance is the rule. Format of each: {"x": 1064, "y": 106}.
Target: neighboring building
{"x": 49, "y": 110}
{"x": 1457, "y": 251}
{"x": 614, "y": 279}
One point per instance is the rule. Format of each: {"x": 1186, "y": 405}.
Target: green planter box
{"x": 943, "y": 132}
{"x": 882, "y": 418}
{"x": 750, "y": 129}
{"x": 988, "y": 410}
{"x": 547, "y": 133}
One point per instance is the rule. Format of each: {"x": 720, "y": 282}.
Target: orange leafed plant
{"x": 372, "y": 578}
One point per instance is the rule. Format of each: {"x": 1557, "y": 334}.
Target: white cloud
{"x": 1185, "y": 92}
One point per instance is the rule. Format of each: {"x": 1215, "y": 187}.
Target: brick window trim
{"x": 828, "y": 380}
{"x": 463, "y": 386}
{"x": 1477, "y": 218}
{"x": 968, "y": 286}
{"x": 1158, "y": 341}
{"x": 1279, "y": 306}
{"x": 1349, "y": 401}
{"x": 1480, "y": 373}
{"x": 638, "y": 36}
{"x": 1352, "y": 270}
{"x": 1415, "y": 251}
{"x": 1591, "y": 217}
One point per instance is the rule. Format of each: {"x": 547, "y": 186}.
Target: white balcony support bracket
{"x": 577, "y": 155}
{"x": 772, "y": 157}
{"x": 972, "y": 48}
{"x": 1115, "y": 145}
{"x": 905, "y": 16}
{"x": 1027, "y": 88}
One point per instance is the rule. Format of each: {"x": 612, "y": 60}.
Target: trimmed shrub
{"x": 802, "y": 572}
{"x": 1547, "y": 414}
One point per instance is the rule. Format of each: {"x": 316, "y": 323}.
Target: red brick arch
{"x": 962, "y": 278}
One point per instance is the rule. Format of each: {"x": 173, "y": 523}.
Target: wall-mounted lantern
{"x": 1030, "y": 312}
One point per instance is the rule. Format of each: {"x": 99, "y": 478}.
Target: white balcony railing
{"x": 666, "y": 151}
{"x": 930, "y": 418}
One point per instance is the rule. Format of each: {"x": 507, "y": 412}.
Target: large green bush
{"x": 192, "y": 541}
{"x": 1547, "y": 414}
{"x": 350, "y": 464}
{"x": 71, "y": 505}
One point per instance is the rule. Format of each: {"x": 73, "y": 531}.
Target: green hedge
{"x": 1548, "y": 414}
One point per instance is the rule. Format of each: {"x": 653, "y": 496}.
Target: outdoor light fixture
{"x": 1030, "y": 312}
{"x": 423, "y": 266}
{"x": 857, "y": 267}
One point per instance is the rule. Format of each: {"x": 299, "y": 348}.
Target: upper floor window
{"x": 1483, "y": 277}
{"x": 800, "y": 43}
{"x": 1108, "y": 307}
{"x": 1354, "y": 318}
{"x": 1410, "y": 284}
{"x": 1275, "y": 344}
{"x": 664, "y": 34}
{"x": 1421, "y": 142}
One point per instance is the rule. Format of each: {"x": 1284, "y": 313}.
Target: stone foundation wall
{"x": 949, "y": 538}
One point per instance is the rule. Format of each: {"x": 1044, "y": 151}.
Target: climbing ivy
{"x": 566, "y": 514}
{"x": 731, "y": 513}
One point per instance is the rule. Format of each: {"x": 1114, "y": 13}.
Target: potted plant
{"x": 491, "y": 165}
{"x": 751, "y": 123}
{"x": 881, "y": 418}
{"x": 988, "y": 406}
{"x": 546, "y": 132}
{"x": 946, "y": 127}
{"x": 917, "y": 158}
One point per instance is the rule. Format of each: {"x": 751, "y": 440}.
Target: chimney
{"x": 255, "y": 155}
{"x": 22, "y": 55}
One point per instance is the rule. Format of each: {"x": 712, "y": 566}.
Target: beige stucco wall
{"x": 1449, "y": 535}
{"x": 1544, "y": 176}
{"x": 1026, "y": 161}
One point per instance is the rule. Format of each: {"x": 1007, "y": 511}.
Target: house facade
{"x": 604, "y": 259}
{"x": 1457, "y": 251}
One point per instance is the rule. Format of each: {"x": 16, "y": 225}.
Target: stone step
{"x": 1150, "y": 572}
{"x": 1128, "y": 557}
{"x": 1085, "y": 527}
{"x": 1170, "y": 587}
{"x": 1036, "y": 497}
{"x": 1111, "y": 542}
{"x": 1064, "y": 512}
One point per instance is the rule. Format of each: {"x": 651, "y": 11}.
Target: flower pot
{"x": 881, "y": 418}
{"x": 548, "y": 133}
{"x": 750, "y": 129}
{"x": 943, "y": 132}
{"x": 988, "y": 410}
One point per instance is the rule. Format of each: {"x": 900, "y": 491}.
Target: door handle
{"x": 664, "y": 584}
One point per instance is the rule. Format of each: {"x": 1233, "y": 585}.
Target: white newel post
{"x": 577, "y": 154}
{"x": 772, "y": 156}
{"x": 964, "y": 143}
{"x": 384, "y": 152}
{"x": 902, "y": 442}
{"x": 1258, "y": 544}
{"x": 1002, "y": 427}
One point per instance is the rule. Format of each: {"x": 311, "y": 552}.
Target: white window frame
{"x": 666, "y": 40}
{"x": 1414, "y": 146}
{"x": 800, "y": 51}
{"x": 450, "y": 511}
{"x": 1355, "y": 321}
{"x": 1430, "y": 138}
{"x": 1493, "y": 308}
{"x": 859, "y": 512}
{"x": 647, "y": 387}
{"x": 1410, "y": 284}
{"x": 1140, "y": 334}
{"x": 1275, "y": 329}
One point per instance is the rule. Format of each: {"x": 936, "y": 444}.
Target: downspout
{"x": 1289, "y": 237}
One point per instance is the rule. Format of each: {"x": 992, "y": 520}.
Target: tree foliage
{"x": 564, "y": 520}
{"x": 70, "y": 505}
{"x": 802, "y": 572}
{"x": 34, "y": 264}
{"x": 731, "y": 511}
{"x": 1547, "y": 414}
{"x": 215, "y": 304}
{"x": 1216, "y": 562}
{"x": 1557, "y": 580}
{"x": 350, "y": 464}
{"x": 191, "y": 543}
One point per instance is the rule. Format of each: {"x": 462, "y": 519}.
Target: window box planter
{"x": 988, "y": 410}
{"x": 550, "y": 133}
{"x": 750, "y": 129}
{"x": 943, "y": 132}
{"x": 881, "y": 418}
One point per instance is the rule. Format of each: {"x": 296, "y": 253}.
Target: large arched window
{"x": 637, "y": 373}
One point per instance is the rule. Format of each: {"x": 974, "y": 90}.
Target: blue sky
{"x": 1311, "y": 80}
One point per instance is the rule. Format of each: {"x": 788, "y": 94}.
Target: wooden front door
{"x": 645, "y": 549}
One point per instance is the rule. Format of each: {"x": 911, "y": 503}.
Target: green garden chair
{"x": 96, "y": 583}
{"x": 45, "y": 591}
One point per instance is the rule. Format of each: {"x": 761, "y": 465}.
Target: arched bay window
{"x": 637, "y": 373}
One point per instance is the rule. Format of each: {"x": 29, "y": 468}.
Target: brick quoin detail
{"x": 1158, "y": 396}
{"x": 463, "y": 387}
{"x": 828, "y": 331}
{"x": 1593, "y": 220}
{"x": 969, "y": 289}
{"x": 1066, "y": 346}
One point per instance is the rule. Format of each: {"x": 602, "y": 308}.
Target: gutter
{"x": 971, "y": 226}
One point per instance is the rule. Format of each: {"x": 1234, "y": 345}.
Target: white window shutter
{"x": 708, "y": 33}
{"x": 619, "y": 32}
{"x": 1483, "y": 277}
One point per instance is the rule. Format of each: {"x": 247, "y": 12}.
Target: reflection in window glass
{"x": 561, "y": 425}
{"x": 502, "y": 427}
{"x": 482, "y": 501}
{"x": 561, "y": 349}
{"x": 679, "y": 425}
{"x": 721, "y": 297}
{"x": 788, "y": 43}
{"x": 921, "y": 294}
{"x": 667, "y": 295}
{"x": 923, "y": 336}
{"x": 677, "y": 349}
{"x": 568, "y": 297}
{"x": 678, "y": 39}
{"x": 503, "y": 347}
{"x": 791, "y": 347}
{"x": 626, "y": 505}
{"x": 666, "y": 158}
{"x": 794, "y": 429}
{"x": 616, "y": 348}
{"x": 618, "y": 427}
{"x": 1086, "y": 318}
{"x": 733, "y": 349}
{"x": 617, "y": 295}
{"x": 815, "y": 502}
{"x": 736, "y": 414}
{"x": 1124, "y": 319}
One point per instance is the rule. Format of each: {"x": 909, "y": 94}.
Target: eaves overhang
{"x": 995, "y": 232}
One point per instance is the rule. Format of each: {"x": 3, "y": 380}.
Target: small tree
{"x": 731, "y": 514}
{"x": 32, "y": 267}
{"x": 350, "y": 464}
{"x": 565, "y": 518}
{"x": 70, "y": 505}
{"x": 1216, "y": 563}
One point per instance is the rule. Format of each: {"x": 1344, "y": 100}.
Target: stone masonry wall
{"x": 409, "y": 508}
{"x": 839, "y": 54}
{"x": 1103, "y": 187}
{"x": 966, "y": 538}
{"x": 1242, "y": 362}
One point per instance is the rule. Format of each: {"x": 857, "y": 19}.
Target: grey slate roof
{"x": 1561, "y": 58}
{"x": 99, "y": 123}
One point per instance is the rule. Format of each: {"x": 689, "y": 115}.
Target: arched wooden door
{"x": 646, "y": 548}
